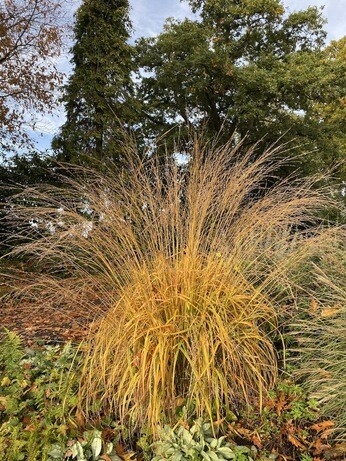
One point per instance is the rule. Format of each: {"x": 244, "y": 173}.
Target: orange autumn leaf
{"x": 329, "y": 311}
{"x": 313, "y": 306}
{"x": 270, "y": 404}
{"x": 244, "y": 432}
{"x": 319, "y": 447}
{"x": 256, "y": 441}
{"x": 280, "y": 403}
{"x": 318, "y": 427}
{"x": 105, "y": 457}
{"x": 295, "y": 442}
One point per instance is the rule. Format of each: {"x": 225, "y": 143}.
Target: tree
{"x": 97, "y": 94}
{"x": 330, "y": 113}
{"x": 30, "y": 39}
{"x": 245, "y": 67}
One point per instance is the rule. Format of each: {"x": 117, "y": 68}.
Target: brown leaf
{"x": 120, "y": 451}
{"x": 318, "y": 427}
{"x": 270, "y": 404}
{"x": 242, "y": 431}
{"x": 280, "y": 403}
{"x": 105, "y": 457}
{"x": 329, "y": 311}
{"x": 295, "y": 442}
{"x": 319, "y": 447}
{"x": 255, "y": 439}
{"x": 337, "y": 451}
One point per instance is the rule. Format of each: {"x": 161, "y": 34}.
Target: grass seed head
{"x": 190, "y": 266}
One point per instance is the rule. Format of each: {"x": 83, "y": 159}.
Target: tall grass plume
{"x": 191, "y": 268}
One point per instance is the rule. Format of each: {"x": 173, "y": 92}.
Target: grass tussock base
{"x": 194, "y": 264}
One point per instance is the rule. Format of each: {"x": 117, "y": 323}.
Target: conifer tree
{"x": 97, "y": 94}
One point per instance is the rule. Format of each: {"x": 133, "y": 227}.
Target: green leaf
{"x": 96, "y": 446}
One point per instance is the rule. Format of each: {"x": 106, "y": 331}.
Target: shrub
{"x": 193, "y": 265}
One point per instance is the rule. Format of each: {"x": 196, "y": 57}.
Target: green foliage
{"x": 91, "y": 447}
{"x": 197, "y": 443}
{"x": 97, "y": 94}
{"x": 331, "y": 113}
{"x": 248, "y": 68}
{"x": 37, "y": 398}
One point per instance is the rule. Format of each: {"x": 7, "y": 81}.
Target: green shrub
{"x": 90, "y": 447}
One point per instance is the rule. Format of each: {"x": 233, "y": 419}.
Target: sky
{"x": 148, "y": 17}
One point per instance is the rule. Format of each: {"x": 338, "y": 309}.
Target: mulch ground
{"x": 53, "y": 322}
{"x": 51, "y": 325}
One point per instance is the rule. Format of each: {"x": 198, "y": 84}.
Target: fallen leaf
{"x": 318, "y": 427}
{"x": 313, "y": 306}
{"x": 337, "y": 451}
{"x": 243, "y": 432}
{"x": 105, "y": 457}
{"x": 295, "y": 442}
{"x": 255, "y": 439}
{"x": 280, "y": 403}
{"x": 329, "y": 311}
{"x": 319, "y": 447}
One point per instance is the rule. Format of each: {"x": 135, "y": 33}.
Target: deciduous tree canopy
{"x": 248, "y": 68}
{"x": 30, "y": 39}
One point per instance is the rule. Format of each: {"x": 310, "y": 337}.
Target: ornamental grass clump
{"x": 320, "y": 339}
{"x": 188, "y": 268}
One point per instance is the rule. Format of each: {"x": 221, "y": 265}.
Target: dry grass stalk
{"x": 187, "y": 262}
{"x": 320, "y": 333}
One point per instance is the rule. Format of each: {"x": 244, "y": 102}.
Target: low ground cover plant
{"x": 197, "y": 271}
{"x": 38, "y": 406}
{"x": 39, "y": 420}
{"x": 38, "y": 397}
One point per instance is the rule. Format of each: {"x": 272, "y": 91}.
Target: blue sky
{"x": 148, "y": 17}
